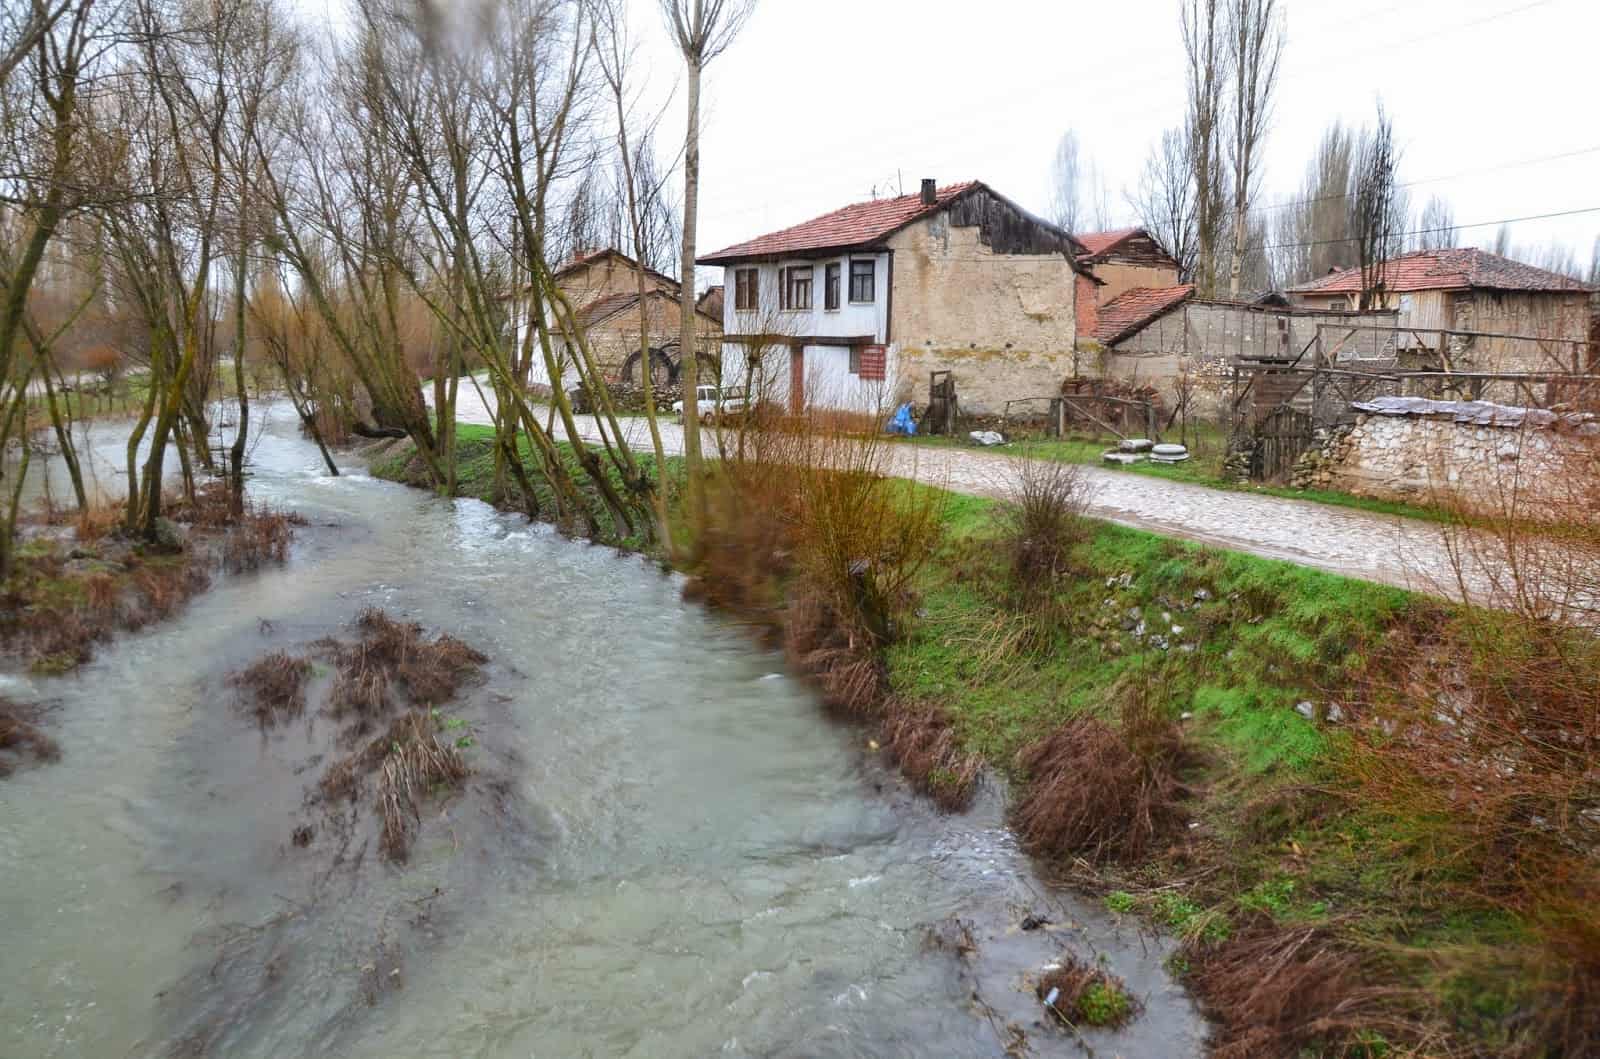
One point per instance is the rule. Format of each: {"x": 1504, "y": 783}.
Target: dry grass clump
{"x": 415, "y": 765}
{"x": 1289, "y": 991}
{"x": 391, "y": 663}
{"x": 1042, "y": 517}
{"x": 923, "y": 742}
{"x": 21, "y": 739}
{"x": 261, "y": 537}
{"x": 1101, "y": 792}
{"x": 1078, "y": 993}
{"x": 276, "y": 686}
{"x": 392, "y": 655}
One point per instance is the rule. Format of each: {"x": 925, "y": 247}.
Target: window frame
{"x": 740, "y": 275}
{"x": 870, "y": 275}
{"x": 832, "y": 279}
{"x": 789, "y": 276}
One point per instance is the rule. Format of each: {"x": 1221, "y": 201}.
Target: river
{"x": 667, "y": 848}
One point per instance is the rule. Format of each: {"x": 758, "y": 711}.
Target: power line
{"x": 1438, "y": 179}
{"x": 1430, "y": 231}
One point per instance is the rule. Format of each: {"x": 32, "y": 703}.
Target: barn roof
{"x": 1131, "y": 310}
{"x": 1449, "y": 269}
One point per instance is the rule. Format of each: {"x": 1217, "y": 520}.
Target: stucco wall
{"x": 1003, "y": 323}
{"x": 1435, "y": 459}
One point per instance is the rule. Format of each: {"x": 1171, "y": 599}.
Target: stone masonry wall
{"x": 1433, "y": 458}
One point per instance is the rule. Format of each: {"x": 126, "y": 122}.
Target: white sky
{"x": 819, "y": 102}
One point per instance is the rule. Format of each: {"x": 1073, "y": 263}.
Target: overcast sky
{"x": 820, "y": 102}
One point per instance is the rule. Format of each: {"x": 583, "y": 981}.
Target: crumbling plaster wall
{"x": 1003, "y": 323}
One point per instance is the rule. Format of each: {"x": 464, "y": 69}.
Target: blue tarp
{"x": 901, "y": 422}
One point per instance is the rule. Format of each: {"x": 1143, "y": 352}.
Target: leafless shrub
{"x": 1042, "y": 517}
{"x": 1104, "y": 793}
{"x": 1277, "y": 990}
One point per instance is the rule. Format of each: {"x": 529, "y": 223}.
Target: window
{"x": 863, "y": 281}
{"x": 830, "y": 287}
{"x": 746, "y": 290}
{"x": 797, "y": 287}
{"x": 1339, "y": 305}
{"x": 855, "y": 360}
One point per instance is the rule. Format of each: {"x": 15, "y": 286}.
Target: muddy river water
{"x": 667, "y": 848}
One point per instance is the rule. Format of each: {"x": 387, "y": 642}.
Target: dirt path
{"x": 1383, "y": 548}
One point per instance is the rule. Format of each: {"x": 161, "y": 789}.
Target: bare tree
{"x": 1066, "y": 184}
{"x": 1379, "y": 211}
{"x": 1205, "y": 49}
{"x": 1436, "y": 227}
{"x": 1255, "y": 45}
{"x": 641, "y": 191}
{"x": 39, "y": 155}
{"x": 702, "y": 30}
{"x": 1165, "y": 200}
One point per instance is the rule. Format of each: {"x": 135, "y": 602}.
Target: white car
{"x": 713, "y": 402}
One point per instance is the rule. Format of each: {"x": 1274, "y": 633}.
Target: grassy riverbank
{"x": 1233, "y": 749}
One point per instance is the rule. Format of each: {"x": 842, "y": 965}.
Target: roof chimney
{"x": 930, "y": 192}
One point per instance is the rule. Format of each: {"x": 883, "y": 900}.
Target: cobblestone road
{"x": 1388, "y": 549}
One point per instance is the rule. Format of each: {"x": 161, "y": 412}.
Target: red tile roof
{"x": 1132, "y": 309}
{"x": 1461, "y": 269}
{"x": 1100, "y": 242}
{"x": 863, "y": 224}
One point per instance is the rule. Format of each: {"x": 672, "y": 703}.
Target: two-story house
{"x": 854, "y": 309}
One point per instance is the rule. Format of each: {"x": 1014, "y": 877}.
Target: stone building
{"x": 603, "y": 286}
{"x": 855, "y": 309}
{"x": 1435, "y": 292}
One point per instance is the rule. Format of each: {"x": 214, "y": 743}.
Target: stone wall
{"x": 1433, "y": 458}
{"x": 1003, "y": 323}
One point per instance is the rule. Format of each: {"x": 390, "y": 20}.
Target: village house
{"x": 855, "y": 309}
{"x": 1470, "y": 290}
{"x": 603, "y": 287}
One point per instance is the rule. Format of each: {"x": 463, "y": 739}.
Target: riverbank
{"x": 78, "y": 579}
{"x": 1208, "y": 740}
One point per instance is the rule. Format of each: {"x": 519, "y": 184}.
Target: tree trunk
{"x": 241, "y": 436}
{"x": 690, "y": 372}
